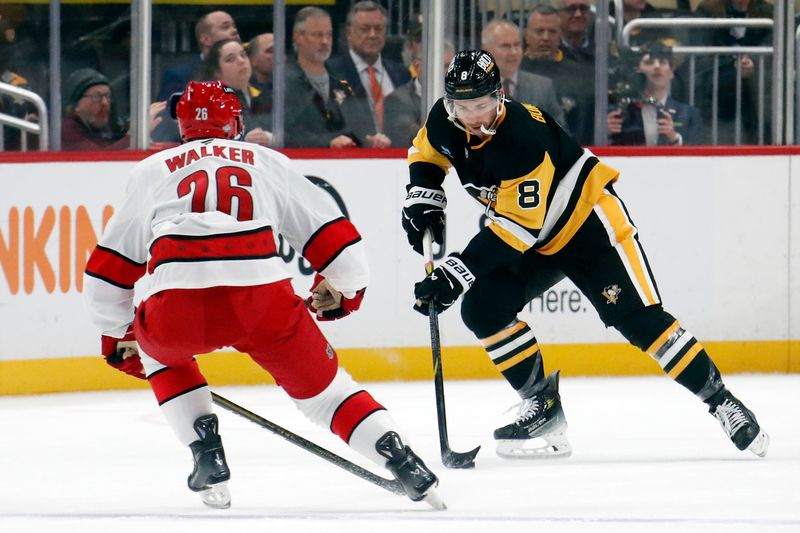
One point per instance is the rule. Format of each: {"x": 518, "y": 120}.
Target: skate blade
{"x": 433, "y": 499}
{"x": 216, "y": 496}
{"x": 760, "y": 444}
{"x": 549, "y": 447}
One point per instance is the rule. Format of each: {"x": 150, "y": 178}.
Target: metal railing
{"x": 462, "y": 22}
{"x": 715, "y": 52}
{"x": 25, "y": 126}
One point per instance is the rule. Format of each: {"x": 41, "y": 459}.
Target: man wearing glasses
{"x": 90, "y": 121}
{"x": 577, "y": 38}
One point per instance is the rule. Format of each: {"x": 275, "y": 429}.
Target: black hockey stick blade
{"x": 450, "y": 458}
{"x": 392, "y": 485}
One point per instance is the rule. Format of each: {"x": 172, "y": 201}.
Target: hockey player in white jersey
{"x": 198, "y": 223}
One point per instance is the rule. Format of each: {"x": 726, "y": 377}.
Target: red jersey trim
{"x": 252, "y": 244}
{"x": 113, "y": 267}
{"x": 329, "y": 241}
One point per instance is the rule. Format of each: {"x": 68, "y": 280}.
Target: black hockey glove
{"x": 443, "y": 286}
{"x": 423, "y": 209}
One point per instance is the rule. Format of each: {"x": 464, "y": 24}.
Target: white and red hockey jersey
{"x": 205, "y": 214}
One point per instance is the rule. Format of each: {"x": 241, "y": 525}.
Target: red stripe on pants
{"x": 174, "y": 381}
{"x": 352, "y": 412}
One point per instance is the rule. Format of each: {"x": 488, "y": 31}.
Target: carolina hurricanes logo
{"x": 612, "y": 293}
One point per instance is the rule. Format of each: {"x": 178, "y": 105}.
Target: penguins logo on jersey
{"x": 612, "y": 293}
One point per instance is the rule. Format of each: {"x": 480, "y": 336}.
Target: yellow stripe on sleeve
{"x": 423, "y": 151}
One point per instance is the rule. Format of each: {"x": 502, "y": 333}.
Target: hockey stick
{"x": 391, "y": 485}
{"x": 450, "y": 458}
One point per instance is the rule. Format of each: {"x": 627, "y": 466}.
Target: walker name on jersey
{"x": 230, "y": 153}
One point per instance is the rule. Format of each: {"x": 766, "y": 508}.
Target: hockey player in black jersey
{"x": 553, "y": 213}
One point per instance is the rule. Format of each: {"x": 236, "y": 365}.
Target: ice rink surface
{"x": 647, "y": 457}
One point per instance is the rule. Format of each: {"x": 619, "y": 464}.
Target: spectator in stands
{"x": 260, "y": 51}
{"x": 656, "y": 118}
{"x": 371, "y": 77}
{"x": 227, "y": 62}
{"x": 403, "y": 107}
{"x": 211, "y": 27}
{"x": 502, "y": 39}
{"x": 572, "y": 79}
{"x": 577, "y": 41}
{"x": 634, "y": 9}
{"x": 318, "y": 105}
{"x": 90, "y": 122}
{"x": 412, "y": 45}
{"x": 736, "y": 36}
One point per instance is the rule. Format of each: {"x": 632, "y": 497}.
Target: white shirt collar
{"x": 362, "y": 65}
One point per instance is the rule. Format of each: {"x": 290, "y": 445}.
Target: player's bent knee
{"x": 643, "y": 326}
{"x": 321, "y": 408}
{"x": 482, "y": 316}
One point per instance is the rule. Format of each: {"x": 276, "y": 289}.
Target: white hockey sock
{"x": 181, "y": 412}
{"x": 370, "y": 430}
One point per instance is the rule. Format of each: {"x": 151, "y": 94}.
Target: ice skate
{"x": 739, "y": 423}
{"x": 540, "y": 428}
{"x": 211, "y": 474}
{"x": 417, "y": 480}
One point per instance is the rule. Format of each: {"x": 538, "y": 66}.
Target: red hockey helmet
{"x": 208, "y": 109}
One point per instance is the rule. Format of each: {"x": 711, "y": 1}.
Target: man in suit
{"x": 403, "y": 107}
{"x": 371, "y": 76}
{"x": 573, "y": 80}
{"x": 577, "y": 41}
{"x": 317, "y": 104}
{"x": 503, "y": 40}
{"x": 657, "y": 118}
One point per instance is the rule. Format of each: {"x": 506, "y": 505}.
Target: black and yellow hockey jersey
{"x": 537, "y": 184}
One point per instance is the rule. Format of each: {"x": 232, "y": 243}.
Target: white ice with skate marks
{"x": 647, "y": 457}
